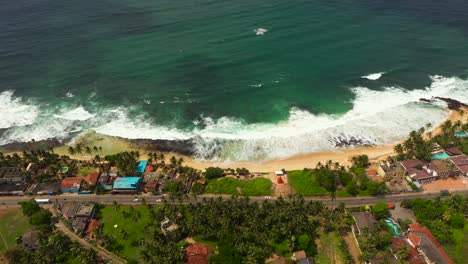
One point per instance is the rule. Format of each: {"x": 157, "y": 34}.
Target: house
{"x": 107, "y": 180}
{"x": 92, "y": 179}
{"x": 71, "y": 185}
{"x": 141, "y": 166}
{"x": 413, "y": 255}
{"x": 301, "y": 257}
{"x": 92, "y": 225}
{"x": 150, "y": 187}
{"x": 126, "y": 184}
{"x": 77, "y": 214}
{"x": 279, "y": 173}
{"x": 363, "y": 220}
{"x": 426, "y": 244}
{"x": 419, "y": 171}
{"x": 12, "y": 188}
{"x": 167, "y": 226}
{"x": 453, "y": 151}
{"x": 281, "y": 260}
{"x": 30, "y": 240}
{"x": 389, "y": 170}
{"x": 443, "y": 168}
{"x": 44, "y": 188}
{"x": 461, "y": 162}
{"x": 197, "y": 253}
{"x": 11, "y": 174}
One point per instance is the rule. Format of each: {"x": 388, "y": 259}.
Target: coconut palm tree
{"x": 88, "y": 150}
{"x": 79, "y": 149}
{"x": 95, "y": 150}
{"x": 71, "y": 150}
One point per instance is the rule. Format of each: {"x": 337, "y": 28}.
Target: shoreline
{"x": 111, "y": 145}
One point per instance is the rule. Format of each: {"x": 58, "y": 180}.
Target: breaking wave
{"x": 14, "y": 111}
{"x": 376, "y": 117}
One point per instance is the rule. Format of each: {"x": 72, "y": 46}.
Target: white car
{"x": 158, "y": 200}
{"x": 136, "y": 200}
{"x": 267, "y": 197}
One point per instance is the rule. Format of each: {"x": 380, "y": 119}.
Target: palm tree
{"x": 95, "y": 149}
{"x": 100, "y": 149}
{"x": 173, "y": 161}
{"x": 116, "y": 205}
{"x": 79, "y": 149}
{"x": 88, "y": 150}
{"x": 71, "y": 150}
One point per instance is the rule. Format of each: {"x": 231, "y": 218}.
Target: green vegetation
{"x": 380, "y": 210}
{"x": 446, "y": 220}
{"x": 242, "y": 231}
{"x": 13, "y": 224}
{"x": 305, "y": 183}
{"x": 126, "y": 238}
{"x": 126, "y": 161}
{"x": 255, "y": 187}
{"x": 330, "y": 250}
{"x": 213, "y": 173}
{"x": 333, "y": 179}
{"x": 38, "y": 217}
{"x": 85, "y": 170}
{"x": 53, "y": 248}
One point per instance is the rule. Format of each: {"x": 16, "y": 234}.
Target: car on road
{"x": 267, "y": 197}
{"x": 158, "y": 200}
{"x": 136, "y": 200}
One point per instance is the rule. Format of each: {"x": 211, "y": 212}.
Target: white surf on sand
{"x": 374, "y": 76}
{"x": 376, "y": 117}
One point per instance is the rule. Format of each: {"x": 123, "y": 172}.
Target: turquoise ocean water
{"x": 256, "y": 79}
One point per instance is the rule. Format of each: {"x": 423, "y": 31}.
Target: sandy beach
{"x": 112, "y": 145}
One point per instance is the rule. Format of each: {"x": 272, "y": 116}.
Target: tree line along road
{"x": 157, "y": 199}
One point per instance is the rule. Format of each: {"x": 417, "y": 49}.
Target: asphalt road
{"x": 156, "y": 199}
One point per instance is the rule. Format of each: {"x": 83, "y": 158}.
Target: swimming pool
{"x": 395, "y": 230}
{"x": 441, "y": 155}
{"x": 461, "y": 134}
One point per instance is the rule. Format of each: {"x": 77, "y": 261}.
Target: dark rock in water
{"x": 32, "y": 145}
{"x": 351, "y": 141}
{"x": 184, "y": 147}
{"x": 452, "y": 104}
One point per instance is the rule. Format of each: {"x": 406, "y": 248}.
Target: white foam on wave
{"x": 373, "y": 76}
{"x": 78, "y": 113}
{"x": 260, "y": 31}
{"x": 377, "y": 117}
{"x": 69, "y": 95}
{"x": 16, "y": 112}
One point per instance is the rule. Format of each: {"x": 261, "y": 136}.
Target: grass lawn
{"x": 329, "y": 248}
{"x": 305, "y": 183}
{"x": 12, "y": 225}
{"x": 458, "y": 250}
{"x": 209, "y": 243}
{"x": 255, "y": 187}
{"x": 109, "y": 217}
{"x": 85, "y": 170}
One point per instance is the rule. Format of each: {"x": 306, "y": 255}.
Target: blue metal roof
{"x": 142, "y": 166}
{"x": 127, "y": 182}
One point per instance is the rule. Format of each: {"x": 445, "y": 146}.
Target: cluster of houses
{"x": 16, "y": 181}
{"x": 399, "y": 175}
{"x": 80, "y": 216}
{"x": 422, "y": 246}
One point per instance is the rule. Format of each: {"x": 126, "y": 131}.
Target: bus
{"x": 42, "y": 201}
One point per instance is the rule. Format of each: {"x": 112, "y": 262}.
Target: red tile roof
{"x": 371, "y": 172}
{"x": 413, "y": 255}
{"x": 93, "y": 224}
{"x": 197, "y": 254}
{"x": 461, "y": 162}
{"x": 415, "y": 239}
{"x": 92, "y": 178}
{"x": 68, "y": 183}
{"x": 424, "y": 230}
{"x": 149, "y": 168}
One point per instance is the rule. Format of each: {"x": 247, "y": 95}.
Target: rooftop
{"x": 92, "y": 178}
{"x": 461, "y": 162}
{"x": 141, "y": 166}
{"x": 126, "y": 182}
{"x": 197, "y": 253}
{"x": 429, "y": 244}
{"x": 364, "y": 220}
{"x": 71, "y": 183}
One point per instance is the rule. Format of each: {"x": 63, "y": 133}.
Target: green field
{"x": 12, "y": 225}
{"x": 304, "y": 182}
{"x": 457, "y": 251}
{"x": 256, "y": 187}
{"x": 329, "y": 248}
{"x": 135, "y": 229}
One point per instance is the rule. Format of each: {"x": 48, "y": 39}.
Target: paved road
{"x": 156, "y": 199}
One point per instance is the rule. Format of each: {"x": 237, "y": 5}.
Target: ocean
{"x": 243, "y": 80}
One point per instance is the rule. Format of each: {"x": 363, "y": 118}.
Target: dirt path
{"x": 352, "y": 247}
